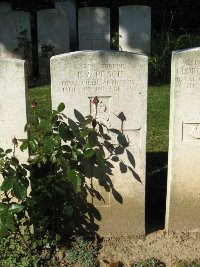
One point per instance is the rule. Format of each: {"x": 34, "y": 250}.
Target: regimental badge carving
{"x": 101, "y": 111}
{"x": 195, "y": 132}
{"x": 191, "y": 131}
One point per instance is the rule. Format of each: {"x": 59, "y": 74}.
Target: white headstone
{"x": 94, "y": 28}
{"x": 119, "y": 80}
{"x": 183, "y": 196}
{"x": 70, "y": 8}
{"x": 53, "y": 36}
{"x": 5, "y": 7}
{"x": 13, "y": 88}
{"x": 14, "y": 25}
{"x": 135, "y": 28}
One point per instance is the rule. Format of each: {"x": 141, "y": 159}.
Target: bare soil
{"x": 168, "y": 248}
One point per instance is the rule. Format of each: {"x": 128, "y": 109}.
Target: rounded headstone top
{"x": 193, "y": 49}
{"x": 100, "y": 52}
{"x": 135, "y": 7}
{"x": 13, "y": 60}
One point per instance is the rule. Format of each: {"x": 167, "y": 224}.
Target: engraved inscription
{"x": 98, "y": 78}
{"x": 191, "y": 131}
{"x": 189, "y": 74}
{"x": 195, "y": 132}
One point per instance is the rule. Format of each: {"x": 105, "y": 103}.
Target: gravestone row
{"x": 57, "y": 31}
{"x": 119, "y": 80}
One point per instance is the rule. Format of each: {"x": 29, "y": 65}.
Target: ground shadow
{"x": 156, "y": 188}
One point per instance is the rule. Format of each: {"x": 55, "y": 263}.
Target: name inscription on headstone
{"x": 189, "y": 74}
{"x": 94, "y": 77}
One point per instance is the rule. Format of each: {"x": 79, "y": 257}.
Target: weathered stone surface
{"x": 183, "y": 196}
{"x": 5, "y": 7}
{"x": 70, "y": 8}
{"x": 13, "y": 88}
{"x": 53, "y": 36}
{"x": 135, "y": 28}
{"x": 13, "y": 25}
{"x": 94, "y": 28}
{"x": 119, "y": 80}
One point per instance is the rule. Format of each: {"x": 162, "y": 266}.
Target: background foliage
{"x": 185, "y": 13}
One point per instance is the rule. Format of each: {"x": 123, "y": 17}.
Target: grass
{"x": 158, "y": 118}
{"x": 158, "y": 113}
{"x": 42, "y": 95}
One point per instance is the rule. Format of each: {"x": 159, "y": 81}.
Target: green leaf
{"x": 1, "y": 150}
{"x": 92, "y": 138}
{"x": 8, "y": 151}
{"x": 84, "y": 132}
{"x": 6, "y": 219}
{"x": 63, "y": 131}
{"x": 89, "y": 117}
{"x": 100, "y": 159}
{"x": 61, "y": 107}
{"x": 88, "y": 120}
{"x": 3, "y": 230}
{"x": 33, "y": 145}
{"x": 45, "y": 126}
{"x": 75, "y": 179}
{"x": 48, "y": 145}
{"x": 68, "y": 211}
{"x": 24, "y": 145}
{"x": 19, "y": 190}
{"x": 2, "y": 155}
{"x": 3, "y": 207}
{"x": 16, "y": 208}
{"x": 58, "y": 237}
{"x": 14, "y": 161}
{"x": 88, "y": 153}
{"x": 74, "y": 155}
{"x": 7, "y": 184}
{"x": 60, "y": 191}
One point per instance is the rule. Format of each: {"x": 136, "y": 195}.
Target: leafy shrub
{"x": 83, "y": 253}
{"x": 25, "y": 44}
{"x": 152, "y": 262}
{"x": 57, "y": 205}
{"x": 162, "y": 46}
{"x": 13, "y": 253}
{"x": 47, "y": 51}
{"x": 187, "y": 264}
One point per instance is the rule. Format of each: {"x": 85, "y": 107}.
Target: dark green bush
{"x": 162, "y": 46}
